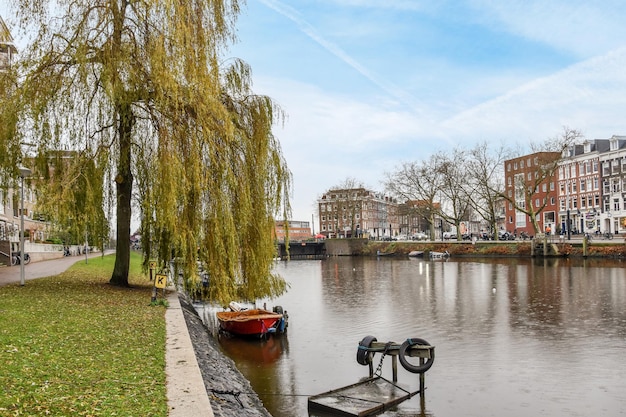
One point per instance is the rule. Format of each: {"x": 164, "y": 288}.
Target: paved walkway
{"x": 186, "y": 393}
{"x": 34, "y": 270}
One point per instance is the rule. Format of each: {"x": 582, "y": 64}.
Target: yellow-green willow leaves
{"x": 143, "y": 91}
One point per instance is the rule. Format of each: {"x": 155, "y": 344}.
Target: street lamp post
{"x": 24, "y": 172}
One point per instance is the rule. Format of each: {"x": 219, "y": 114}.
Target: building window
{"x": 615, "y": 185}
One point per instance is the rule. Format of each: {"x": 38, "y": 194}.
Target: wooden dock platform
{"x": 375, "y": 394}
{"x": 366, "y": 398}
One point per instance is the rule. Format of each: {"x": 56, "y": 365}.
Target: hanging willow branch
{"x": 143, "y": 84}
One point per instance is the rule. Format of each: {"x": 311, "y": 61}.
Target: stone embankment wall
{"x": 345, "y": 247}
{"x": 615, "y": 248}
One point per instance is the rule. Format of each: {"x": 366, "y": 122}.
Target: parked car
{"x": 419, "y": 236}
{"x": 449, "y": 235}
{"x": 502, "y": 235}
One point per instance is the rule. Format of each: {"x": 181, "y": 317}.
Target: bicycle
{"x": 608, "y": 235}
{"x": 16, "y": 259}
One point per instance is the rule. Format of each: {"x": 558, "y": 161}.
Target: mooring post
{"x": 422, "y": 379}
{"x": 394, "y": 367}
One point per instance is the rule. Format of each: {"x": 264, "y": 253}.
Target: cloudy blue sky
{"x": 368, "y": 84}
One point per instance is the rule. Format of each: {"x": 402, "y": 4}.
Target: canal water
{"x": 513, "y": 337}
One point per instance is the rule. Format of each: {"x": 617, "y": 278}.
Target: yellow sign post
{"x": 152, "y": 266}
{"x": 161, "y": 281}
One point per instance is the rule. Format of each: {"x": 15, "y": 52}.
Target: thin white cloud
{"x": 412, "y": 5}
{"x": 578, "y": 26}
{"x": 306, "y": 28}
{"x": 590, "y": 93}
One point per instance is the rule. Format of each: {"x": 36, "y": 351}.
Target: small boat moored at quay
{"x": 439, "y": 255}
{"x": 252, "y": 322}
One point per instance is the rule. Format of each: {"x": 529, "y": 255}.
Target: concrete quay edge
{"x": 186, "y": 392}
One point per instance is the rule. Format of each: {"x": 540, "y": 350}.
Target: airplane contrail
{"x": 293, "y": 15}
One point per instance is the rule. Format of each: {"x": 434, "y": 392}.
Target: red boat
{"x": 249, "y": 322}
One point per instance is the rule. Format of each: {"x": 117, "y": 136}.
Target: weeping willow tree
{"x": 72, "y": 192}
{"x": 143, "y": 92}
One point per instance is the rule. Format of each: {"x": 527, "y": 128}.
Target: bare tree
{"x": 420, "y": 183}
{"x": 485, "y": 177}
{"x": 454, "y": 190}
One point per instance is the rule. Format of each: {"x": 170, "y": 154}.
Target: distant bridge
{"x": 303, "y": 250}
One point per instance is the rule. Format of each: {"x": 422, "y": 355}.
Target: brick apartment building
{"x": 520, "y": 174}
{"x": 298, "y": 230}
{"x": 357, "y": 212}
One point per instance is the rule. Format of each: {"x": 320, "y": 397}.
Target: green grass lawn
{"x": 72, "y": 345}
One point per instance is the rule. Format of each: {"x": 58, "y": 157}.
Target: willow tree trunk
{"x": 124, "y": 187}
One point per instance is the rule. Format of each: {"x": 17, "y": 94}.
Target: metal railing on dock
{"x": 376, "y": 394}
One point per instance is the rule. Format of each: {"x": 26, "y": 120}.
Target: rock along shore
{"x": 229, "y": 392}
